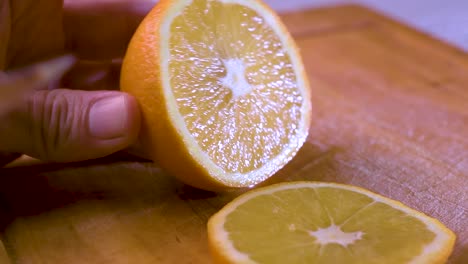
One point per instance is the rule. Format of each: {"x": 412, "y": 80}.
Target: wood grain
{"x": 390, "y": 114}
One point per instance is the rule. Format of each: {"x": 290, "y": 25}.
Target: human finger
{"x": 14, "y": 85}
{"x": 67, "y": 125}
{"x": 97, "y": 30}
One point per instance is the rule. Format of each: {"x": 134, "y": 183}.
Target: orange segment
{"x": 234, "y": 96}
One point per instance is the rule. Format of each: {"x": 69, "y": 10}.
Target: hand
{"x": 66, "y": 124}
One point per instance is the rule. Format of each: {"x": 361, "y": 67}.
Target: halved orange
{"x": 318, "y": 222}
{"x": 224, "y": 94}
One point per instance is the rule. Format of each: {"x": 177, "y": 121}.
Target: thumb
{"x": 67, "y": 125}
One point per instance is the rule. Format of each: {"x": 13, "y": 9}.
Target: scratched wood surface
{"x": 390, "y": 115}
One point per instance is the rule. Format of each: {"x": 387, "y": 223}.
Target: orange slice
{"x": 222, "y": 88}
{"x": 311, "y": 222}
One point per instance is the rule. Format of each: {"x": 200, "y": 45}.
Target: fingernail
{"x": 108, "y": 118}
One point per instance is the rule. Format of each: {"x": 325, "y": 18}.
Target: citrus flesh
{"x": 311, "y": 222}
{"x": 222, "y": 88}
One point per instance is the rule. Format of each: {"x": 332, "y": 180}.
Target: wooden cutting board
{"x": 390, "y": 115}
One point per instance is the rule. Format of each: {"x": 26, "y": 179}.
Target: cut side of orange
{"x": 224, "y": 94}
{"x": 316, "y": 222}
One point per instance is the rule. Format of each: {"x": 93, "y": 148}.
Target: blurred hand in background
{"x": 77, "y": 116}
